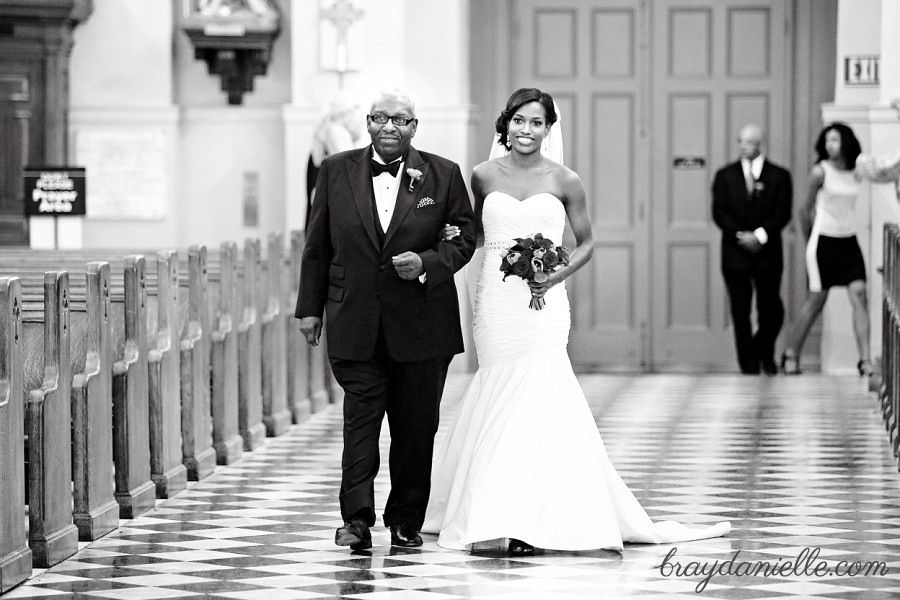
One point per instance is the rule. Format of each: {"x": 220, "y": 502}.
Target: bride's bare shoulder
{"x": 562, "y": 173}
{"x": 487, "y": 170}
{"x": 491, "y": 165}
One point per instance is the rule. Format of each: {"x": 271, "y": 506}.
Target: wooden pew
{"x": 890, "y": 341}
{"x": 250, "y": 350}
{"x": 191, "y": 331}
{"x": 168, "y": 472}
{"x": 134, "y": 489}
{"x": 227, "y": 439}
{"x": 164, "y": 366}
{"x": 132, "y": 304}
{"x": 317, "y": 370}
{"x": 15, "y": 554}
{"x": 276, "y": 414}
{"x": 298, "y": 350}
{"x": 96, "y": 511}
{"x": 198, "y": 453}
{"x": 87, "y": 319}
{"x": 52, "y": 535}
{"x": 197, "y": 321}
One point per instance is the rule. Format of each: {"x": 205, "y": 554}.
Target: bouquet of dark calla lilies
{"x": 533, "y": 258}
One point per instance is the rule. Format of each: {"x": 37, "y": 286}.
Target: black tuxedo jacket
{"x": 769, "y": 207}
{"x": 347, "y": 274}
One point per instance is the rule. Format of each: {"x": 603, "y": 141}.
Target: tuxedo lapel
{"x": 405, "y": 198}
{"x": 360, "y": 177}
{"x": 763, "y": 173}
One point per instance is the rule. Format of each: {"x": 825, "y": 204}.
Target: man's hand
{"x": 408, "y": 265}
{"x": 311, "y": 328}
{"x": 748, "y": 241}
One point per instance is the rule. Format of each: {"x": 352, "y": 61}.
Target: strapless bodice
{"x": 505, "y": 217}
{"x": 505, "y": 327}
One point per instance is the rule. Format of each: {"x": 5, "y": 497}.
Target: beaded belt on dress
{"x": 501, "y": 245}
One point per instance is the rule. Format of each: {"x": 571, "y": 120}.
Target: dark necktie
{"x": 378, "y": 168}
{"x": 750, "y": 182}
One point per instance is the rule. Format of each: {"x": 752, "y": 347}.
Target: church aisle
{"x": 800, "y": 466}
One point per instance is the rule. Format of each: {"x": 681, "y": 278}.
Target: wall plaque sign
{"x": 54, "y": 191}
{"x": 689, "y": 162}
{"x": 128, "y": 171}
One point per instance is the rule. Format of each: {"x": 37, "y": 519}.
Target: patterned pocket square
{"x": 425, "y": 202}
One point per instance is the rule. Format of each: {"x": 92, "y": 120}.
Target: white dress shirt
{"x": 753, "y": 168}
{"x": 386, "y": 188}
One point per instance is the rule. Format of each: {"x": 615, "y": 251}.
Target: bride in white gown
{"x": 524, "y": 460}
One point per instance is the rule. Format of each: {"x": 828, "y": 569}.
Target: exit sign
{"x": 861, "y": 70}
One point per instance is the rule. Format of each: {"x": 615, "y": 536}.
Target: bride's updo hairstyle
{"x": 518, "y": 99}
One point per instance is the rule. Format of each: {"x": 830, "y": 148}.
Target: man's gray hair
{"x": 397, "y": 93}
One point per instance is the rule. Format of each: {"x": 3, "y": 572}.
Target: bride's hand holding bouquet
{"x": 535, "y": 259}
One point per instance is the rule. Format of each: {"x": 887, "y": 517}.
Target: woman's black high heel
{"x": 790, "y": 364}
{"x": 520, "y": 548}
{"x": 865, "y": 368}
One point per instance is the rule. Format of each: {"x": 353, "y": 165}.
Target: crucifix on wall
{"x": 340, "y": 39}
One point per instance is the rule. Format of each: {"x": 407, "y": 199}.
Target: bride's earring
{"x": 508, "y": 141}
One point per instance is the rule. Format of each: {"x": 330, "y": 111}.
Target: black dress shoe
{"x": 404, "y": 534}
{"x": 355, "y": 534}
{"x": 769, "y": 367}
{"x": 520, "y": 548}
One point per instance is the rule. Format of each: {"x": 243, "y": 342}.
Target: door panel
{"x": 14, "y": 116}
{"x": 21, "y": 139}
{"x": 714, "y": 71}
{"x": 652, "y": 95}
{"x": 587, "y": 55}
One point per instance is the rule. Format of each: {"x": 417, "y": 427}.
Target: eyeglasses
{"x": 397, "y": 120}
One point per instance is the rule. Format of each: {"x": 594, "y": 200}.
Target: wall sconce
{"x": 234, "y": 38}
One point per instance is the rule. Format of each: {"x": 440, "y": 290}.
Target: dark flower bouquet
{"x": 533, "y": 259}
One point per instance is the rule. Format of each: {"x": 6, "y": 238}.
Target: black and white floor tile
{"x": 797, "y": 464}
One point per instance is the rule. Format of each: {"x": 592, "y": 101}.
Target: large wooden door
{"x": 20, "y": 142}
{"x": 35, "y": 41}
{"x": 588, "y": 55}
{"x": 652, "y": 96}
{"x": 717, "y": 65}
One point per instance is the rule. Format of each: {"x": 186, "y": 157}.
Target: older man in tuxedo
{"x": 751, "y": 205}
{"x": 375, "y": 265}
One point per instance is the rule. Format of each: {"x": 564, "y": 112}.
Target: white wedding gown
{"x": 524, "y": 458}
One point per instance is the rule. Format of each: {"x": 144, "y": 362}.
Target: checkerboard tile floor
{"x": 799, "y": 464}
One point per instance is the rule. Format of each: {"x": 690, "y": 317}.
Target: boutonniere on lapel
{"x": 758, "y": 186}
{"x": 414, "y": 176}
{"x": 425, "y": 202}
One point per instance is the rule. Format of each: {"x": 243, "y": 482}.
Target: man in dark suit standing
{"x": 375, "y": 264}
{"x": 751, "y": 205}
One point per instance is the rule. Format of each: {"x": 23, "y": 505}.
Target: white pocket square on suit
{"x": 425, "y": 202}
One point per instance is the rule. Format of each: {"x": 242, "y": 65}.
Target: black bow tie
{"x": 379, "y": 168}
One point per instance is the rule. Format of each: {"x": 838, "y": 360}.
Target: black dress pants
{"x": 410, "y": 394}
{"x": 765, "y": 278}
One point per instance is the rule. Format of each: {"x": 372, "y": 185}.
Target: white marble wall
{"x": 121, "y": 89}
